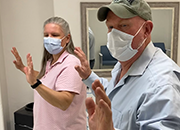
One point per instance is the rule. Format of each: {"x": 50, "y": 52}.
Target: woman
{"x": 59, "y": 96}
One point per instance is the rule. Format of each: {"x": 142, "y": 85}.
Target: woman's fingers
{"x": 26, "y": 70}
{"x": 16, "y": 54}
{"x": 29, "y": 61}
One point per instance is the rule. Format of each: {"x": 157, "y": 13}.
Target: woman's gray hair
{"x": 69, "y": 46}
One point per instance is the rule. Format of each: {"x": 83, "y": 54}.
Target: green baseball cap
{"x": 126, "y": 9}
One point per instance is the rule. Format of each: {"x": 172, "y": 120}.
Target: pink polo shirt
{"x": 61, "y": 76}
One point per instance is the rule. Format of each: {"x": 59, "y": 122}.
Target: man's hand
{"x": 100, "y": 114}
{"x": 84, "y": 70}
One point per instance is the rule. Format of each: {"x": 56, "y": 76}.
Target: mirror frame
{"x": 161, "y": 5}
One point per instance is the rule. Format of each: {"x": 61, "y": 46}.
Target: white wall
{"x": 1, "y": 113}
{"x": 21, "y": 26}
{"x": 70, "y": 10}
{"x": 4, "y": 116}
{"x": 21, "y": 23}
{"x": 178, "y": 55}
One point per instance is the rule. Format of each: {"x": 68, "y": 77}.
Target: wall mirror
{"x": 165, "y": 19}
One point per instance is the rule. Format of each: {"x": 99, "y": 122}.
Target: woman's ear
{"x": 148, "y": 28}
{"x": 68, "y": 38}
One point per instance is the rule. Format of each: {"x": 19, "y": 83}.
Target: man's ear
{"x": 148, "y": 28}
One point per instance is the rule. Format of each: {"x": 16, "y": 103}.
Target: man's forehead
{"x": 133, "y": 20}
{"x": 112, "y": 15}
{"x": 117, "y": 21}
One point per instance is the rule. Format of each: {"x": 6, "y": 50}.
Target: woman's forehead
{"x": 52, "y": 27}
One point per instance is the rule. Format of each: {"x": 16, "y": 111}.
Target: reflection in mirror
{"x": 165, "y": 19}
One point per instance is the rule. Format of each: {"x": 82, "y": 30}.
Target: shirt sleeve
{"x": 93, "y": 77}
{"x": 159, "y": 110}
{"x": 69, "y": 79}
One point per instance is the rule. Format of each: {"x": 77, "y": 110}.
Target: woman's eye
{"x": 55, "y": 35}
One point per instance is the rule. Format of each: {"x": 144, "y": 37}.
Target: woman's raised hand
{"x": 18, "y": 62}
{"x": 29, "y": 71}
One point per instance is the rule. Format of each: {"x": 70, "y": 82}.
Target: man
{"x": 144, "y": 91}
{"x": 91, "y": 48}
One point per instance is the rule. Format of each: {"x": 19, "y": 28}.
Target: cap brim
{"x": 118, "y": 9}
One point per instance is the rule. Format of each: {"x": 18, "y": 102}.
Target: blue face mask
{"x": 53, "y": 45}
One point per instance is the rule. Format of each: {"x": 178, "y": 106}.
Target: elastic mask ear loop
{"x": 138, "y": 32}
{"x": 142, "y": 43}
{"x": 63, "y": 38}
{"x": 139, "y": 29}
{"x": 61, "y": 41}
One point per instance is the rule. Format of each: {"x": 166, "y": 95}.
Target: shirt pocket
{"x": 117, "y": 118}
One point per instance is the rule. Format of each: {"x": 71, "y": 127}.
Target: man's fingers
{"x": 78, "y": 68}
{"x": 100, "y": 92}
{"x": 102, "y": 96}
{"x": 96, "y": 84}
{"x": 105, "y": 108}
{"x": 83, "y": 70}
{"x": 80, "y": 54}
{"x": 80, "y": 71}
{"x": 77, "y": 52}
{"x": 90, "y": 106}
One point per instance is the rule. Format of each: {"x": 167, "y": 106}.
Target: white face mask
{"x": 119, "y": 44}
{"x": 53, "y": 45}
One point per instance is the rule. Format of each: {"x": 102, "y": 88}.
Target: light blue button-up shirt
{"x": 148, "y": 96}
